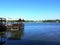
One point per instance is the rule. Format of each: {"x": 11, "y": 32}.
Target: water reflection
{"x": 10, "y": 35}
{"x": 15, "y": 35}
{"x": 2, "y": 38}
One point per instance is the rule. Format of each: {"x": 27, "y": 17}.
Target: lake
{"x": 35, "y": 34}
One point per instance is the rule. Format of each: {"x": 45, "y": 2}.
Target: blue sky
{"x": 30, "y": 9}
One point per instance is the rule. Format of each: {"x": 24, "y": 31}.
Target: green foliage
{"x": 51, "y": 20}
{"x": 57, "y": 20}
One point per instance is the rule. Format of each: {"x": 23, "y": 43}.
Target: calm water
{"x": 35, "y": 34}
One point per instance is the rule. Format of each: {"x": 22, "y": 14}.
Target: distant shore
{"x": 58, "y": 21}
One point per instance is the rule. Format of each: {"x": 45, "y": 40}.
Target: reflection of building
{"x": 2, "y": 38}
{"x": 16, "y": 35}
{"x": 10, "y": 35}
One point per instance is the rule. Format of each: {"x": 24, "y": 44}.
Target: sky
{"x": 30, "y": 9}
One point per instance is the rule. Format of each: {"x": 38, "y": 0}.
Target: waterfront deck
{"x": 12, "y": 24}
{"x": 15, "y": 25}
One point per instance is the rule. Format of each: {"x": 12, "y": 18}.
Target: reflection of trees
{"x": 16, "y": 35}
